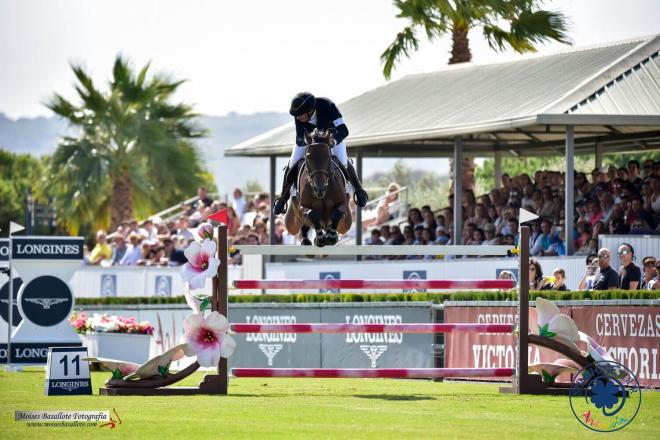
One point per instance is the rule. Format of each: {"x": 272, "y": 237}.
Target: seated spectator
{"x": 507, "y": 275}
{"x": 183, "y": 228}
{"x": 119, "y": 249}
{"x": 252, "y": 239}
{"x": 541, "y": 242}
{"x": 557, "y": 281}
{"x": 101, "y": 251}
{"x": 388, "y": 207}
{"x": 429, "y": 219}
{"x": 385, "y": 233}
{"x": 133, "y": 252}
{"x": 535, "y": 274}
{"x": 150, "y": 231}
{"x": 419, "y": 235}
{"x": 375, "y": 238}
{"x": 557, "y": 247}
{"x": 607, "y": 278}
{"x": 408, "y": 235}
{"x": 649, "y": 272}
{"x": 629, "y": 274}
{"x": 478, "y": 237}
{"x": 489, "y": 235}
{"x": 174, "y": 256}
{"x": 415, "y": 217}
{"x": 396, "y": 237}
{"x": 233, "y": 222}
{"x": 640, "y": 227}
{"x": 636, "y": 212}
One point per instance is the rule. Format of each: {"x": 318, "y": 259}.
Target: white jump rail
{"x": 382, "y": 250}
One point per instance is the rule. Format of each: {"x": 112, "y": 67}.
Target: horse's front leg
{"x": 303, "y": 232}
{"x": 331, "y": 235}
{"x": 314, "y": 217}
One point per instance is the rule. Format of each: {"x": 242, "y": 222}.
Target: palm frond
{"x": 404, "y": 43}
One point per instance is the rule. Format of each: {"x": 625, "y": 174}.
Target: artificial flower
{"x": 207, "y": 338}
{"x": 201, "y": 263}
{"x": 205, "y": 230}
{"x": 548, "y": 321}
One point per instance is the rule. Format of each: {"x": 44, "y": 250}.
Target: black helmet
{"x": 303, "y": 102}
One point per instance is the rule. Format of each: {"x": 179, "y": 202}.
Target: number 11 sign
{"x": 66, "y": 373}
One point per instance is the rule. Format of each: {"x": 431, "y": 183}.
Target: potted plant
{"x": 114, "y": 337}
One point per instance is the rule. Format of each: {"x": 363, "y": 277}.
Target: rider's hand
{"x": 333, "y": 142}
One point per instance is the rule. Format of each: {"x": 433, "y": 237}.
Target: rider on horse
{"x": 317, "y": 113}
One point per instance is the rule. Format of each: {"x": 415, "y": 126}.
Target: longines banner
{"x": 44, "y": 300}
{"x": 630, "y": 334}
{"x": 353, "y": 350}
{"x": 4, "y": 250}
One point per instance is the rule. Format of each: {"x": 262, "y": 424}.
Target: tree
{"x": 518, "y": 24}
{"x": 134, "y": 152}
{"x": 18, "y": 173}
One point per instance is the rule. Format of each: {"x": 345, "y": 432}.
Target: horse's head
{"x": 318, "y": 160}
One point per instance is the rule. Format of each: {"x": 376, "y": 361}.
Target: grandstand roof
{"x": 610, "y": 92}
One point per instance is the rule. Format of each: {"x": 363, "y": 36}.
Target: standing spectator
{"x": 233, "y": 222}
{"x": 559, "y": 281}
{"x": 203, "y": 196}
{"x": 629, "y": 274}
{"x": 607, "y": 279}
{"x": 590, "y": 273}
{"x": 239, "y": 203}
{"x": 101, "y": 251}
{"x": 119, "y": 249}
{"x": 649, "y": 272}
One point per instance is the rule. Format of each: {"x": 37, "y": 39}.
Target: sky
{"x": 246, "y": 56}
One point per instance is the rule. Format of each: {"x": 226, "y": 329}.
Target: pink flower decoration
{"x": 201, "y": 263}
{"x": 207, "y": 338}
{"x": 205, "y": 230}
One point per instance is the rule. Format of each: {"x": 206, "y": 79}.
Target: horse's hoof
{"x": 331, "y": 238}
{"x": 306, "y": 242}
{"x": 319, "y": 242}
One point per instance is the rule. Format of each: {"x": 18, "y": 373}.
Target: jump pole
{"x": 389, "y": 373}
{"x": 374, "y": 284}
{"x": 340, "y": 328}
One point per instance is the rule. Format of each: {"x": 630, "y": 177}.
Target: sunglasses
{"x": 603, "y": 256}
{"x": 624, "y": 252}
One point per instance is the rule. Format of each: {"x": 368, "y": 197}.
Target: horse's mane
{"x": 322, "y": 136}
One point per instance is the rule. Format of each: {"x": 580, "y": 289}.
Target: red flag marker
{"x": 220, "y": 216}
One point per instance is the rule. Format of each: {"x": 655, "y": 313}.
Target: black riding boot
{"x": 361, "y": 197}
{"x": 279, "y": 206}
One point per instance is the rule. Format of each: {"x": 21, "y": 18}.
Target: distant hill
{"x": 39, "y": 136}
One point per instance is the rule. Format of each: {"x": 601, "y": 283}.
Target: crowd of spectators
{"x": 156, "y": 242}
{"x": 609, "y": 201}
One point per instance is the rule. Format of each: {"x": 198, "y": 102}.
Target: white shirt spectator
{"x": 132, "y": 256}
{"x": 239, "y": 205}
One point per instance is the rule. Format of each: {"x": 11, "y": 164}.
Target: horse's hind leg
{"x": 303, "y": 233}
{"x": 314, "y": 218}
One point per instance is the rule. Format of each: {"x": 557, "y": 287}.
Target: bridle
{"x": 324, "y": 171}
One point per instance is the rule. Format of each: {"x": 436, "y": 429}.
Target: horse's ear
{"x": 308, "y": 138}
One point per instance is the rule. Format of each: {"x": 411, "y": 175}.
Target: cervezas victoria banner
{"x": 631, "y": 335}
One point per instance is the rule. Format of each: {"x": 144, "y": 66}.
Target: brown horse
{"x": 322, "y": 201}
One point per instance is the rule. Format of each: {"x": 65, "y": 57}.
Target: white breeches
{"x": 339, "y": 151}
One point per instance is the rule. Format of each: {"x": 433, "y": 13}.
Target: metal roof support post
{"x": 458, "y": 191}
{"x": 599, "y": 155}
{"x": 272, "y": 182}
{"x": 498, "y": 169}
{"x": 358, "y": 210}
{"x": 569, "y": 191}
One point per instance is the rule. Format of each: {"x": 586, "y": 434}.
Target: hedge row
{"x": 384, "y": 297}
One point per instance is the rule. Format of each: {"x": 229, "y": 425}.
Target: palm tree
{"x": 133, "y": 151}
{"x": 526, "y": 23}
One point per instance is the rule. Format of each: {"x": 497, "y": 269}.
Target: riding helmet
{"x": 303, "y": 102}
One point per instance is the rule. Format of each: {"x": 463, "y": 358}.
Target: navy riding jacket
{"x": 327, "y": 116}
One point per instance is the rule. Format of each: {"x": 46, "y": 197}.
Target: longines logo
{"x": 374, "y": 338}
{"x": 373, "y": 352}
{"x": 270, "y": 350}
{"x": 46, "y": 302}
{"x": 270, "y": 337}
{"x": 46, "y": 249}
